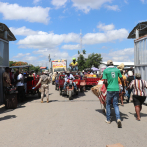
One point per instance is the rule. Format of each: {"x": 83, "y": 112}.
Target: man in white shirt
{"x": 68, "y": 75}
{"x": 20, "y": 87}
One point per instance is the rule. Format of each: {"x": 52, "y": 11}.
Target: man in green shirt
{"x": 110, "y": 76}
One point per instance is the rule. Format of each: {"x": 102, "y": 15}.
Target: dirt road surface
{"x": 64, "y": 123}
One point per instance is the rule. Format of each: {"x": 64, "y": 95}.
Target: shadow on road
{"x": 4, "y": 110}
{"x": 81, "y": 94}
{"x": 113, "y": 117}
{"x": 7, "y": 117}
{"x": 141, "y": 114}
{"x": 53, "y": 101}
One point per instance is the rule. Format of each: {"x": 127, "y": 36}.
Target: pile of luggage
{"x": 100, "y": 91}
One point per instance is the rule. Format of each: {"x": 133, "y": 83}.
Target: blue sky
{"x": 44, "y": 27}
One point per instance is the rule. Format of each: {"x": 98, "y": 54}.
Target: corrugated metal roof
{"x": 142, "y": 27}
{"x": 10, "y": 35}
{"x": 118, "y": 63}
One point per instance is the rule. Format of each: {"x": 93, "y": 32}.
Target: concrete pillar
{"x": 5, "y": 35}
{"x": 137, "y": 34}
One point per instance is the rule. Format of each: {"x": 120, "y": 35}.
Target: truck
{"x": 59, "y": 65}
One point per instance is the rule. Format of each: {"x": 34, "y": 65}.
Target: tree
{"x": 19, "y": 63}
{"x": 81, "y": 60}
{"x": 84, "y": 51}
{"x": 93, "y": 59}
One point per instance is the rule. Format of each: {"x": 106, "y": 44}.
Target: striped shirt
{"x": 138, "y": 87}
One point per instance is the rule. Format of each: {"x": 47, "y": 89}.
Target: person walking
{"x": 129, "y": 80}
{"x": 120, "y": 83}
{"x": 110, "y": 77}
{"x": 44, "y": 81}
{"x": 20, "y": 86}
{"x": 138, "y": 85}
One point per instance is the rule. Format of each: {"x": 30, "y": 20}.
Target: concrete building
{"x": 5, "y": 36}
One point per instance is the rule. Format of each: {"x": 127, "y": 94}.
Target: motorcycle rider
{"x": 74, "y": 65}
{"x": 68, "y": 76}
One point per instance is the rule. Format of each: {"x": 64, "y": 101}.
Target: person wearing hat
{"x": 68, "y": 75}
{"x": 74, "y": 64}
{"x": 44, "y": 81}
{"x": 120, "y": 84}
{"x": 129, "y": 80}
{"x": 110, "y": 77}
{"x": 139, "y": 95}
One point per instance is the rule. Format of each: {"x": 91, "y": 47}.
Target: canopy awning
{"x": 142, "y": 27}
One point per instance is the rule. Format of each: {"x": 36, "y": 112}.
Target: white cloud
{"x": 45, "y": 40}
{"x": 87, "y": 5}
{"x": 41, "y": 40}
{"x": 19, "y": 55}
{"x": 109, "y": 36}
{"x": 125, "y": 55}
{"x": 113, "y": 7}
{"x": 71, "y": 47}
{"x": 36, "y": 1}
{"x": 103, "y": 27}
{"x": 126, "y": 1}
{"x": 143, "y": 1}
{"x": 31, "y": 14}
{"x": 23, "y": 31}
{"x": 58, "y": 3}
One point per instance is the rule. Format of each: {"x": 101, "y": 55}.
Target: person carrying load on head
{"x": 74, "y": 65}
{"x": 44, "y": 81}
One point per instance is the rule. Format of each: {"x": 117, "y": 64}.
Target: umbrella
{"x": 94, "y": 69}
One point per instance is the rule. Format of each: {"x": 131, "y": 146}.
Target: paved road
{"x": 64, "y": 123}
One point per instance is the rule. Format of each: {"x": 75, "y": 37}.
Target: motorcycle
{"x": 70, "y": 89}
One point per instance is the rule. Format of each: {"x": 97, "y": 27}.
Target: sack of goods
{"x": 90, "y": 76}
{"x": 54, "y": 76}
{"x": 101, "y": 92}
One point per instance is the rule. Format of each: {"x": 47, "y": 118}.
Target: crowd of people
{"x": 120, "y": 84}
{"x": 16, "y": 78}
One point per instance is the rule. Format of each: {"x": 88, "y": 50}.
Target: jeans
{"x": 129, "y": 94}
{"x": 115, "y": 96}
{"x": 74, "y": 68}
{"x": 75, "y": 86}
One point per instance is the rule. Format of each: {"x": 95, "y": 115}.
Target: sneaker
{"x": 119, "y": 123}
{"x": 108, "y": 122}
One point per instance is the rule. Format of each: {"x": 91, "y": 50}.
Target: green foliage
{"x": 35, "y": 68}
{"x": 84, "y": 51}
{"x": 19, "y": 63}
{"x": 81, "y": 62}
{"x": 93, "y": 59}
